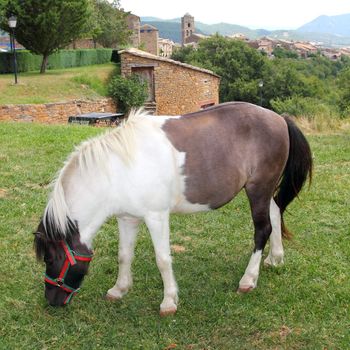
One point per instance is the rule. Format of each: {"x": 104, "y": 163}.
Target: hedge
{"x": 27, "y": 61}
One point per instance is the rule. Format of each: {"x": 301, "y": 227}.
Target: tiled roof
{"x": 144, "y": 54}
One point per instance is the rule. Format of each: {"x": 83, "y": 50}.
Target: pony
{"x": 152, "y": 166}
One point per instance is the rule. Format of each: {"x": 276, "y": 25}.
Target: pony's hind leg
{"x": 259, "y": 199}
{"x": 158, "y": 225}
{"x": 128, "y": 228}
{"x": 276, "y": 253}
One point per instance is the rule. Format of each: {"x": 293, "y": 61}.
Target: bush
{"x": 128, "y": 92}
{"x": 27, "y": 61}
{"x": 302, "y": 107}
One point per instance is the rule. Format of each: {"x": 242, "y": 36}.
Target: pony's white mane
{"x": 92, "y": 154}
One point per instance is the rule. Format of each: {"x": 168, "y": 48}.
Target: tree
{"x": 44, "y": 26}
{"x": 109, "y": 24}
{"x": 343, "y": 83}
{"x": 240, "y": 66}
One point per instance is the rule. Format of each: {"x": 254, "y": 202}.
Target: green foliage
{"x": 239, "y": 66}
{"x": 108, "y": 24}
{"x": 28, "y": 62}
{"x": 302, "y": 106}
{"x": 343, "y": 84}
{"x": 128, "y": 92}
{"x": 280, "y": 52}
{"x": 47, "y": 25}
{"x": 286, "y": 78}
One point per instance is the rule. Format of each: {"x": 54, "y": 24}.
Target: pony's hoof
{"x": 244, "y": 289}
{"x": 167, "y": 312}
{"x": 274, "y": 261}
{"x": 111, "y": 297}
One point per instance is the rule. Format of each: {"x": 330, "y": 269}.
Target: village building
{"x": 174, "y": 88}
{"x": 188, "y": 32}
{"x": 166, "y": 47}
{"x": 304, "y": 49}
{"x": 134, "y": 24}
{"x": 149, "y": 36}
{"x": 237, "y": 36}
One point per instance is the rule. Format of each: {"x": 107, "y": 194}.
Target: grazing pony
{"x": 152, "y": 166}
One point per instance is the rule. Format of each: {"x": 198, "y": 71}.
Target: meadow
{"x": 58, "y": 85}
{"x": 301, "y": 305}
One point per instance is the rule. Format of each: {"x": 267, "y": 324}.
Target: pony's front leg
{"x": 158, "y": 225}
{"x": 128, "y": 228}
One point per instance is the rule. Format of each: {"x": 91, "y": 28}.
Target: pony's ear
{"x": 40, "y": 243}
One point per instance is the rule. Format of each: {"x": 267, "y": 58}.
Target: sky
{"x": 267, "y": 14}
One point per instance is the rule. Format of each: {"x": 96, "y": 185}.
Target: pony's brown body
{"x": 228, "y": 147}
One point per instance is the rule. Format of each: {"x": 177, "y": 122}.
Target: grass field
{"x": 56, "y": 85}
{"x": 302, "y": 305}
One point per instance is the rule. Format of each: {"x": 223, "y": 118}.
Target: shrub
{"x": 62, "y": 59}
{"x": 128, "y": 92}
{"x": 307, "y": 107}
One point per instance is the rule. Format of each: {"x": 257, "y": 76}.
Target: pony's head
{"x": 67, "y": 261}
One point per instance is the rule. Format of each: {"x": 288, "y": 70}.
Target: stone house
{"x": 149, "y": 39}
{"x": 174, "y": 88}
{"x": 134, "y": 24}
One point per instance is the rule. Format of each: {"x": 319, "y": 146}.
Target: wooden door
{"x": 146, "y": 74}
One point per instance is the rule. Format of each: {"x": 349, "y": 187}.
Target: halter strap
{"x": 71, "y": 259}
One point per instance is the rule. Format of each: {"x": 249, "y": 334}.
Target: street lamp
{"x": 12, "y": 22}
{"x": 261, "y": 84}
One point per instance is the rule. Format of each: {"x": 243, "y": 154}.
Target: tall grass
{"x": 93, "y": 82}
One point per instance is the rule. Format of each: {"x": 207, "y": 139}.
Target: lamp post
{"x": 261, "y": 84}
{"x": 12, "y": 22}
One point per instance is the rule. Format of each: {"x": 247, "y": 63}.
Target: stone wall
{"x": 179, "y": 88}
{"x": 53, "y": 113}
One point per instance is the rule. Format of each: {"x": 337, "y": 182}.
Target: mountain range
{"x": 330, "y": 31}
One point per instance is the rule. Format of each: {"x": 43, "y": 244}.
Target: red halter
{"x": 71, "y": 260}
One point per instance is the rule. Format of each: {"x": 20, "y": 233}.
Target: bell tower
{"x": 187, "y": 27}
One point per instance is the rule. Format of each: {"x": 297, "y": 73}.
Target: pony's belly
{"x": 184, "y": 206}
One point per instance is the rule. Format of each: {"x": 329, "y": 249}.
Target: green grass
{"x": 302, "y": 305}
{"x": 86, "y": 83}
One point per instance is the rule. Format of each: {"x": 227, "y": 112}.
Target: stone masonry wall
{"x": 178, "y": 89}
{"x": 53, "y": 113}
{"x": 150, "y": 41}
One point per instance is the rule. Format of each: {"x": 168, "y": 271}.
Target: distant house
{"x": 149, "y": 39}
{"x": 173, "y": 87}
{"x": 134, "y": 24}
{"x": 304, "y": 49}
{"x": 165, "y": 47}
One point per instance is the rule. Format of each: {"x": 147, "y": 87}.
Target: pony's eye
{"x": 48, "y": 260}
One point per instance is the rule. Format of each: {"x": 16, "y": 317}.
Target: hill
{"x": 171, "y": 29}
{"x": 168, "y": 29}
{"x": 336, "y": 25}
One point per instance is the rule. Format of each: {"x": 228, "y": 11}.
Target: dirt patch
{"x": 176, "y": 248}
{"x": 3, "y": 193}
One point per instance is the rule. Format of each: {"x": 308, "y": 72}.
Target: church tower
{"x": 187, "y": 27}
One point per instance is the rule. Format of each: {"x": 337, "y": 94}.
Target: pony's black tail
{"x": 297, "y": 170}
